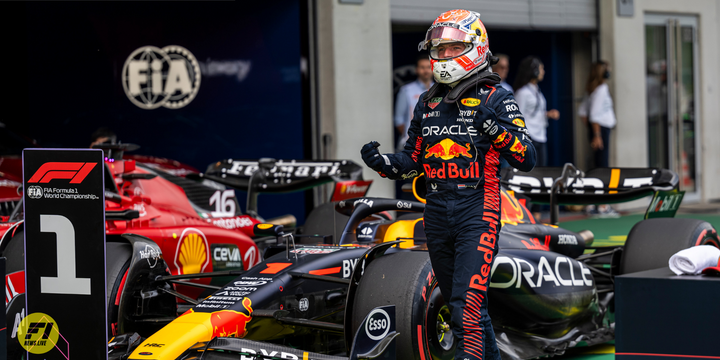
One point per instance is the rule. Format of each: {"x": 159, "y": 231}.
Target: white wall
{"x": 363, "y": 83}
{"x": 623, "y": 44}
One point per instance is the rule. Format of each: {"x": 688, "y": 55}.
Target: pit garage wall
{"x": 509, "y": 14}
{"x": 623, "y": 44}
{"x": 354, "y": 82}
{"x": 64, "y": 80}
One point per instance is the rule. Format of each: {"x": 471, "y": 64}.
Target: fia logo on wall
{"x": 154, "y": 77}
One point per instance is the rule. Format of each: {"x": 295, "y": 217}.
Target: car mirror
{"x": 264, "y": 229}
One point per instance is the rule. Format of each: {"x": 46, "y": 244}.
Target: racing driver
{"x": 460, "y": 128}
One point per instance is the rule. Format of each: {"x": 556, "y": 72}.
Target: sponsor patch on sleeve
{"x": 470, "y": 102}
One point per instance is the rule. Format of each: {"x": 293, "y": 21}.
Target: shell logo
{"x": 192, "y": 254}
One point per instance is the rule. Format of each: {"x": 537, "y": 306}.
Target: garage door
{"x": 510, "y": 14}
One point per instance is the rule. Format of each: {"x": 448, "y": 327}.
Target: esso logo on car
{"x": 154, "y": 77}
{"x": 378, "y": 324}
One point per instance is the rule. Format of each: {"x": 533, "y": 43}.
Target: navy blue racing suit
{"x": 462, "y": 215}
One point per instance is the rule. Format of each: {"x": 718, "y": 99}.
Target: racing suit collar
{"x": 481, "y": 78}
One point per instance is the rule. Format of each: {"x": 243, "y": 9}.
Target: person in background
{"x": 408, "y": 96}
{"x": 101, "y": 136}
{"x": 501, "y": 68}
{"x": 596, "y": 111}
{"x": 533, "y": 105}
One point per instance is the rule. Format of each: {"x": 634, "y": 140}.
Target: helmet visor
{"x": 446, "y": 33}
{"x": 449, "y": 50}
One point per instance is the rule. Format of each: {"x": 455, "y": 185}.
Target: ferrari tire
{"x": 652, "y": 242}
{"x": 406, "y": 280}
{"x": 116, "y": 266}
{"x": 15, "y": 253}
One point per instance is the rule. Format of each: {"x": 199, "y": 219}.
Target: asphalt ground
{"x": 613, "y": 232}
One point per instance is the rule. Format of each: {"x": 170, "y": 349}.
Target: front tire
{"x": 116, "y": 265}
{"x": 652, "y": 242}
{"x": 15, "y": 253}
{"x": 405, "y": 279}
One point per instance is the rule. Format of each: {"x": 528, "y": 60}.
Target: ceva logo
{"x": 154, "y": 77}
{"x": 75, "y": 171}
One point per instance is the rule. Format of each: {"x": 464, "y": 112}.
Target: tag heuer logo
{"x": 434, "y": 102}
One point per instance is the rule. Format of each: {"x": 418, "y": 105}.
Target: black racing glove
{"x": 372, "y": 157}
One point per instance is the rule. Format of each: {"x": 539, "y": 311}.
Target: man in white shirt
{"x": 531, "y": 102}
{"x": 408, "y": 96}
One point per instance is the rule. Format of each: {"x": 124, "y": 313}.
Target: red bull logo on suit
{"x": 447, "y": 149}
{"x": 518, "y": 147}
{"x": 453, "y": 171}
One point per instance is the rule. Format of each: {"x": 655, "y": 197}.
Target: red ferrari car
{"x": 195, "y": 221}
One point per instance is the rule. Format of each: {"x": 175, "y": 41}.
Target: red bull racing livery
{"x": 457, "y": 138}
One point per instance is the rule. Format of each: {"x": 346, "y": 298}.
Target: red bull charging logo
{"x": 447, "y": 149}
{"x": 518, "y": 147}
{"x": 229, "y": 323}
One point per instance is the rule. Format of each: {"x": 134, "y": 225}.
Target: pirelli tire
{"x": 117, "y": 263}
{"x": 406, "y": 280}
{"x": 652, "y": 242}
{"x": 15, "y": 253}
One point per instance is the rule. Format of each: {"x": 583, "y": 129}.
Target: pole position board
{"x": 64, "y": 255}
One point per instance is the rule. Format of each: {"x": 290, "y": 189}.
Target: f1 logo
{"x": 36, "y": 326}
{"x": 76, "y": 171}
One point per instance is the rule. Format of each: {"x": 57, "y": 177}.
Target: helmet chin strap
{"x": 474, "y": 72}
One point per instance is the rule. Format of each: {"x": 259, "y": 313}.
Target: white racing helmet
{"x": 456, "y": 26}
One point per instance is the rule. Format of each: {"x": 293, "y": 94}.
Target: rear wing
{"x": 278, "y": 176}
{"x": 597, "y": 186}
{"x": 281, "y": 176}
